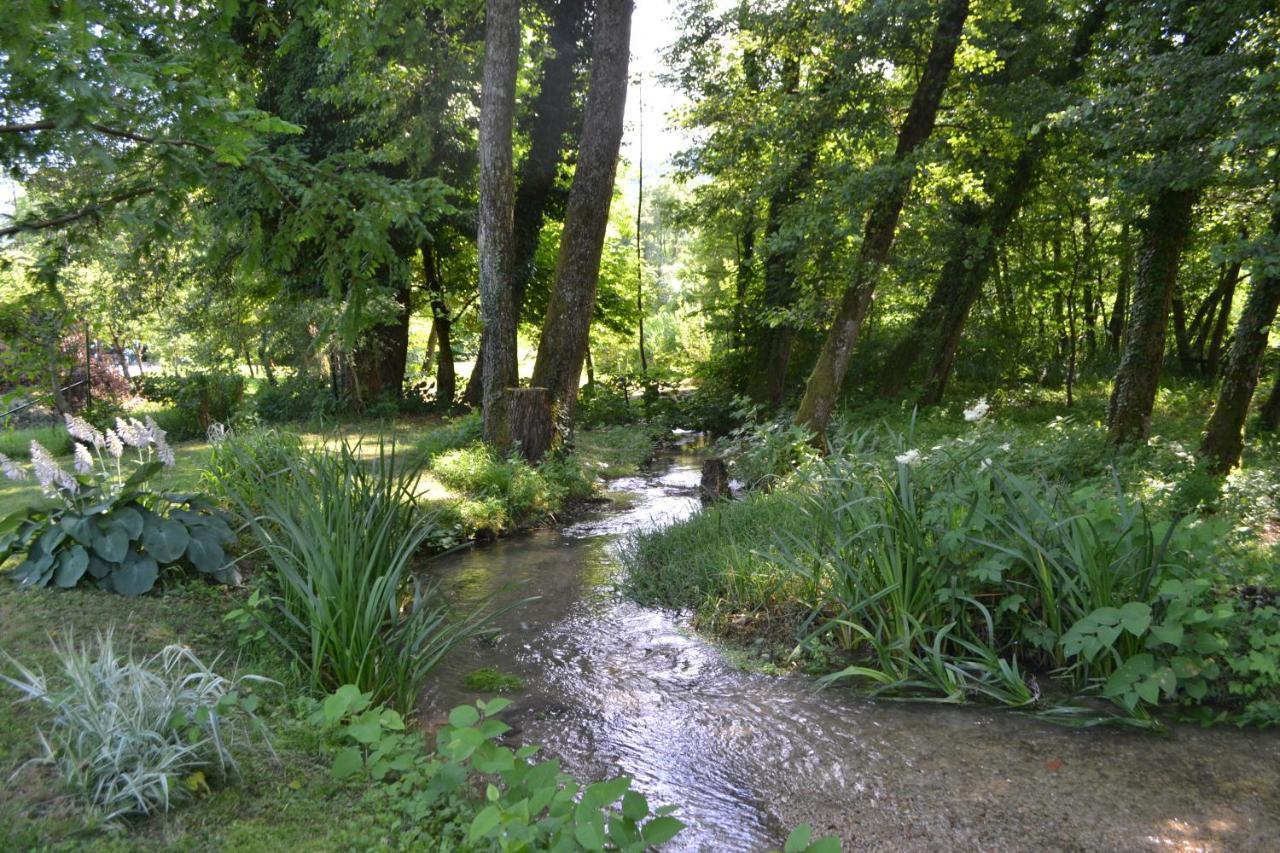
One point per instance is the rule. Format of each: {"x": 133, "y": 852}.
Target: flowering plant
{"x": 106, "y": 522}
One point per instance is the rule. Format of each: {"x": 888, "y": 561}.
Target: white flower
{"x": 977, "y": 411}
{"x": 911, "y": 458}
{"x": 114, "y": 445}
{"x": 83, "y": 430}
{"x": 49, "y": 474}
{"x": 163, "y": 450}
{"x": 84, "y": 462}
{"x": 1007, "y": 446}
{"x": 11, "y": 469}
{"x": 985, "y": 464}
{"x": 133, "y": 433}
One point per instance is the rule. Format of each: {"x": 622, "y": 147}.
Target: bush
{"x": 298, "y": 397}
{"x": 340, "y": 534}
{"x": 509, "y": 493}
{"x": 131, "y": 736}
{"x": 199, "y": 400}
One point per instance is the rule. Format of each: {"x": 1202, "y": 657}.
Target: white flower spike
{"x": 911, "y": 458}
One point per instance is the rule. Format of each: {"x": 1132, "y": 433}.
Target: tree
{"x": 565, "y": 331}
{"x": 833, "y": 362}
{"x": 495, "y": 240}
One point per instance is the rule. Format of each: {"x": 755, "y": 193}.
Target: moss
{"x": 490, "y": 680}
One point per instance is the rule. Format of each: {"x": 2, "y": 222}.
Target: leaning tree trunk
{"x": 1224, "y": 435}
{"x": 1214, "y": 359}
{"x": 494, "y": 243}
{"x": 1163, "y": 235}
{"x": 833, "y": 363}
{"x": 567, "y": 325}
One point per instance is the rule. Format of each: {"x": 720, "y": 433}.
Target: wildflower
{"x": 1007, "y": 446}
{"x": 11, "y": 469}
{"x": 985, "y": 464}
{"x": 84, "y": 462}
{"x": 83, "y": 430}
{"x": 163, "y": 450}
{"x": 911, "y": 458}
{"x": 49, "y": 474}
{"x": 977, "y": 411}
{"x": 114, "y": 445}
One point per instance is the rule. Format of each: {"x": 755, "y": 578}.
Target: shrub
{"x": 133, "y": 736}
{"x": 340, "y": 535}
{"x": 198, "y": 399}
{"x": 525, "y": 494}
{"x": 298, "y": 397}
{"x": 107, "y": 524}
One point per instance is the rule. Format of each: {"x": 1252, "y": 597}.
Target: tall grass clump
{"x": 127, "y": 735}
{"x": 340, "y": 533}
{"x": 505, "y": 493}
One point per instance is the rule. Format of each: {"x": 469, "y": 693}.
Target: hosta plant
{"x": 104, "y": 522}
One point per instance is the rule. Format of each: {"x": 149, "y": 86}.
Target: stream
{"x": 611, "y": 687}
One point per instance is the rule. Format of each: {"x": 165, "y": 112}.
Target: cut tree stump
{"x": 529, "y": 413}
{"x": 715, "y": 480}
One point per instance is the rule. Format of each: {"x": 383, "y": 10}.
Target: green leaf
{"x": 128, "y": 518}
{"x": 483, "y": 823}
{"x": 1171, "y": 634}
{"x": 79, "y": 528}
{"x": 1135, "y": 617}
{"x": 798, "y": 840}
{"x": 136, "y": 575}
{"x": 588, "y": 826}
{"x": 463, "y": 716}
{"x": 72, "y": 563}
{"x": 391, "y": 721}
{"x": 99, "y": 568}
{"x": 205, "y": 553}
{"x": 347, "y": 763}
{"x": 367, "y": 728}
{"x": 634, "y": 806}
{"x": 830, "y": 844}
{"x": 660, "y": 830}
{"x": 142, "y": 474}
{"x": 111, "y": 543}
{"x": 346, "y": 698}
{"x": 165, "y": 539}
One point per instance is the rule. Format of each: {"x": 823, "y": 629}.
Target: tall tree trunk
{"x": 567, "y": 326}
{"x": 554, "y": 115}
{"x": 1163, "y": 234}
{"x": 1224, "y": 435}
{"x": 1124, "y": 282}
{"x": 495, "y": 240}
{"x": 441, "y": 328}
{"x": 828, "y": 373}
{"x": 1090, "y": 264}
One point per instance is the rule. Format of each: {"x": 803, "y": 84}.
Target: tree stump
{"x": 529, "y": 414}
{"x": 715, "y": 480}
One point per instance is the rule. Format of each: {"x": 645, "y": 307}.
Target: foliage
{"x": 133, "y": 736}
{"x": 106, "y": 523}
{"x": 340, "y": 534}
{"x": 199, "y": 399}
{"x": 526, "y": 805}
{"x": 509, "y": 493}
{"x": 453, "y": 435}
{"x": 300, "y": 396}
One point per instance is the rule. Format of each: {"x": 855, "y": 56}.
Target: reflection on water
{"x": 612, "y": 687}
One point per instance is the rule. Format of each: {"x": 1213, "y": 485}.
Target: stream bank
{"x": 612, "y": 687}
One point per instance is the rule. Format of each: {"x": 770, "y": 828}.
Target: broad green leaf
{"x": 634, "y": 806}
{"x": 483, "y": 823}
{"x": 72, "y": 563}
{"x": 205, "y": 553}
{"x": 1135, "y": 617}
{"x": 660, "y": 830}
{"x": 798, "y": 840}
{"x": 135, "y": 576}
{"x": 165, "y": 539}
{"x": 111, "y": 543}
{"x": 347, "y": 763}
{"x": 463, "y": 716}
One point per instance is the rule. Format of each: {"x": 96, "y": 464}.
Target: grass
{"x": 617, "y": 451}
{"x": 492, "y": 680}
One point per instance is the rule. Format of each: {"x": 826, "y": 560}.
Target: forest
{"x": 613, "y": 425}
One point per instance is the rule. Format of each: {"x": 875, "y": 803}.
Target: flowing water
{"x": 611, "y": 687}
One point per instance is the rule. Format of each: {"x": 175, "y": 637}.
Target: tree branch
{"x": 67, "y": 218}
